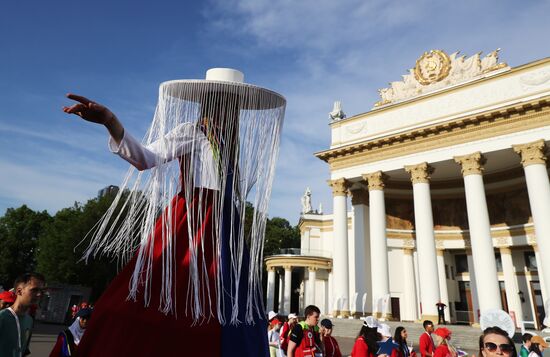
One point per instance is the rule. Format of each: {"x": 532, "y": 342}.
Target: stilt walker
{"x": 191, "y": 284}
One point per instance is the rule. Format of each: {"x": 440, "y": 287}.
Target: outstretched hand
{"x": 89, "y": 110}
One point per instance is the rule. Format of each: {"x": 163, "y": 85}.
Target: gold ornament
{"x": 432, "y": 67}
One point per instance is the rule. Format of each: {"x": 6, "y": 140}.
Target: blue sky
{"x": 313, "y": 52}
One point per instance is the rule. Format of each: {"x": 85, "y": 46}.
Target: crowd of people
{"x": 292, "y": 338}
{"x": 295, "y": 338}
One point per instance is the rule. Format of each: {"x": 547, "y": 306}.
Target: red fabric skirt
{"x": 121, "y": 327}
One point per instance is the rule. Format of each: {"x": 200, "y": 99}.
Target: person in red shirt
{"x": 305, "y": 340}
{"x": 426, "y": 344}
{"x": 365, "y": 344}
{"x": 286, "y": 329}
{"x": 443, "y": 349}
{"x": 331, "y": 345}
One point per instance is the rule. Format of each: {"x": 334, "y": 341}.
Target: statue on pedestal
{"x": 306, "y": 202}
{"x": 337, "y": 113}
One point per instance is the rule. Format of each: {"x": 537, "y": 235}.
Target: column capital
{"x": 359, "y": 196}
{"x": 339, "y": 187}
{"x": 505, "y": 250}
{"x": 420, "y": 173}
{"x": 440, "y": 252}
{"x": 312, "y": 268}
{"x": 287, "y": 267}
{"x": 408, "y": 251}
{"x": 376, "y": 180}
{"x": 271, "y": 268}
{"x": 531, "y": 153}
{"x": 472, "y": 164}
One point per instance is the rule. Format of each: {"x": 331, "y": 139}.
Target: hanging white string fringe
{"x": 242, "y": 124}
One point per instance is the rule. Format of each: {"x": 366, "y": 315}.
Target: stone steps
{"x": 464, "y": 337}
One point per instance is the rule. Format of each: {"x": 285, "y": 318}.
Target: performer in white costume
{"x": 192, "y": 277}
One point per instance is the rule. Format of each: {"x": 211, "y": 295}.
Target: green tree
{"x": 19, "y": 232}
{"x": 63, "y": 242}
{"x": 280, "y": 234}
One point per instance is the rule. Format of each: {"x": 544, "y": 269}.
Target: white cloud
{"x": 346, "y": 50}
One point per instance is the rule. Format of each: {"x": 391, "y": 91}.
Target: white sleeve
{"x": 174, "y": 144}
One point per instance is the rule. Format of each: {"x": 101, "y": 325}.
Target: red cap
{"x": 443, "y": 332}
{"x": 275, "y": 322}
{"x": 7, "y": 296}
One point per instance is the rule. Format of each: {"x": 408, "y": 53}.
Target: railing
{"x": 306, "y": 252}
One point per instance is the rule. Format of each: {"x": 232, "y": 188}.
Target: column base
{"x": 341, "y": 313}
{"x": 359, "y": 314}
{"x": 383, "y": 316}
{"x": 432, "y": 318}
{"x": 344, "y": 313}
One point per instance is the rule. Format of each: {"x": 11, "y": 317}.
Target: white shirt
{"x": 274, "y": 336}
{"x": 183, "y": 139}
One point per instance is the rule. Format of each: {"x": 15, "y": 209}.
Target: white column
{"x": 473, "y": 285}
{"x": 361, "y": 259}
{"x": 331, "y": 303}
{"x": 340, "y": 247}
{"x": 379, "y": 248}
{"x": 409, "y": 287}
{"x": 270, "y": 298}
{"x": 417, "y": 284}
{"x": 480, "y": 232}
{"x": 511, "y": 284}
{"x": 288, "y": 285}
{"x": 425, "y": 239}
{"x": 310, "y": 294}
{"x": 539, "y": 273}
{"x": 443, "y": 283}
{"x": 281, "y": 296}
{"x": 533, "y": 160}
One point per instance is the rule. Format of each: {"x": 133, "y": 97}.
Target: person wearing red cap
{"x": 443, "y": 348}
{"x": 273, "y": 338}
{"x": 7, "y": 298}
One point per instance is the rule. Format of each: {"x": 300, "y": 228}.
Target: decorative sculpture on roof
{"x": 306, "y": 202}
{"x": 337, "y": 113}
{"x": 435, "y": 70}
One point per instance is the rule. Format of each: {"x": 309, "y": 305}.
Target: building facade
{"x": 440, "y": 194}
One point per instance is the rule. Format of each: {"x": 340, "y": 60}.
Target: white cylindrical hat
{"x": 225, "y": 75}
